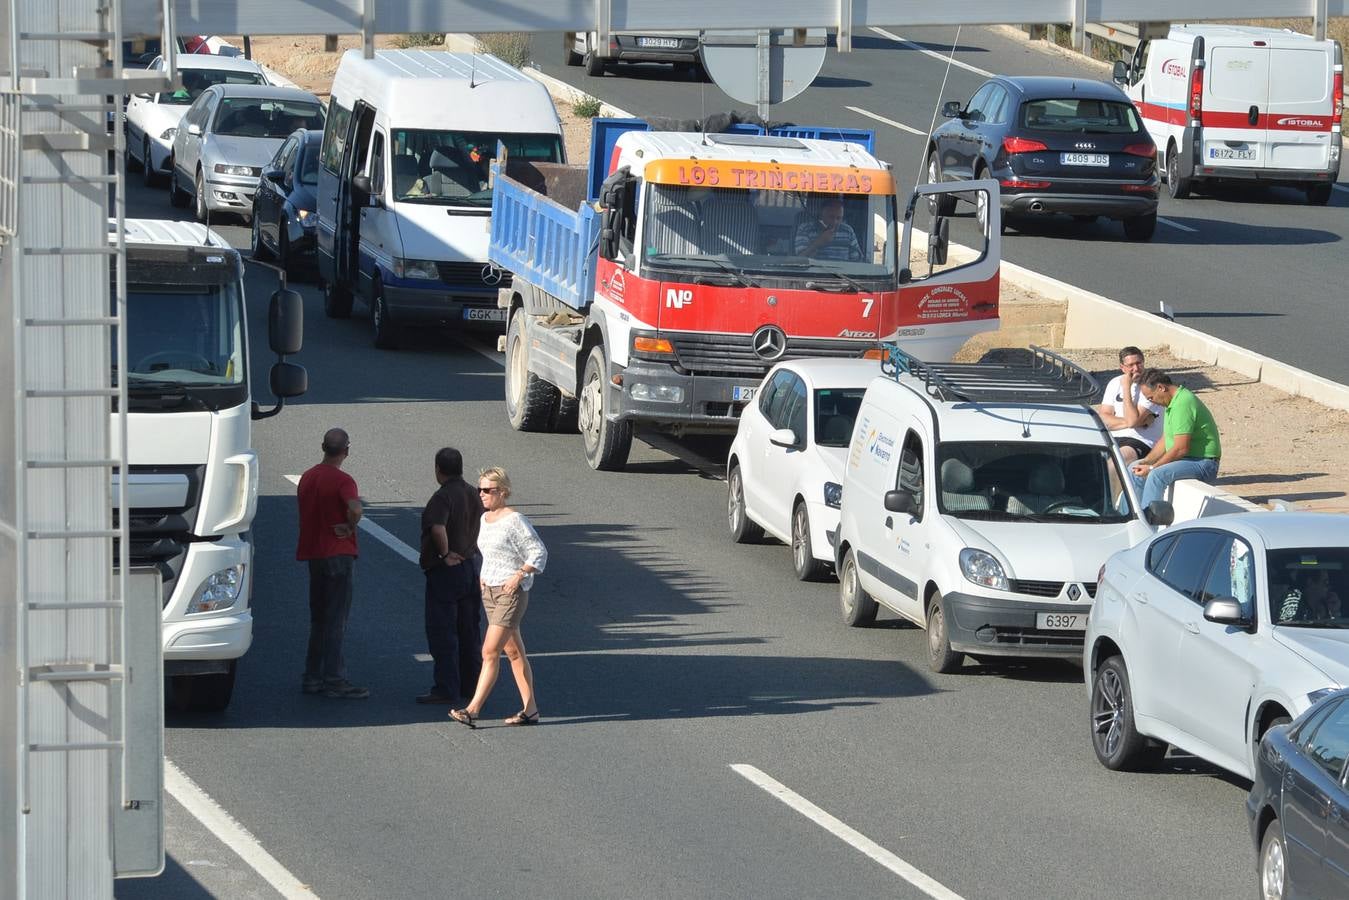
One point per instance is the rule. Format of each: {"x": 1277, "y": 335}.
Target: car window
{"x": 1232, "y": 575}
{"x": 377, "y": 164}
{"x": 1327, "y": 744}
{"x": 1140, "y": 62}
{"x": 265, "y": 117}
{"x": 835, "y": 414}
{"x": 282, "y": 158}
{"x": 197, "y": 80}
{"x": 974, "y": 110}
{"x": 309, "y": 163}
{"x": 1158, "y": 551}
{"x": 995, "y": 110}
{"x": 1186, "y": 569}
{"x": 1305, "y": 587}
{"x": 797, "y": 409}
{"x": 335, "y": 136}
{"x": 773, "y": 395}
{"x": 910, "y": 475}
{"x": 1080, "y": 115}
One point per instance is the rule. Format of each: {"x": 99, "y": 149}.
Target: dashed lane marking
{"x": 942, "y": 57}
{"x": 1168, "y": 222}
{"x": 379, "y": 533}
{"x": 891, "y": 122}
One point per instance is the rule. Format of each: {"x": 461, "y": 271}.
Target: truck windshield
{"x": 449, "y": 168}
{"x": 798, "y": 235}
{"x": 185, "y": 343}
{"x": 1036, "y": 482}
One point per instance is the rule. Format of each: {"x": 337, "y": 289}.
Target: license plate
{"x": 1231, "y": 153}
{"x": 1073, "y": 621}
{"x": 1084, "y": 159}
{"x": 744, "y": 394}
{"x": 485, "y": 315}
{"x": 663, "y": 43}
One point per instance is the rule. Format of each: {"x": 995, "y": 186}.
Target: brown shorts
{"x": 504, "y": 608}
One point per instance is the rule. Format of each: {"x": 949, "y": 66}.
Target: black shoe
{"x": 435, "y": 697}
{"x": 311, "y": 687}
{"x": 345, "y": 690}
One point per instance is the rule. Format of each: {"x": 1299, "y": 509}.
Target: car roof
{"x": 834, "y": 373}
{"x": 1285, "y": 530}
{"x": 166, "y": 232}
{"x": 959, "y": 420}
{"x": 1039, "y": 87}
{"x": 211, "y": 61}
{"x": 267, "y": 91}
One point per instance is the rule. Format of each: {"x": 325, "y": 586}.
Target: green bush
{"x": 588, "y": 108}
{"x": 509, "y": 47}
{"x": 419, "y": 39}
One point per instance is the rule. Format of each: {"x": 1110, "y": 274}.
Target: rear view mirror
{"x": 194, "y": 129}
{"x": 1225, "y": 611}
{"x": 784, "y": 437}
{"x": 1120, "y": 74}
{"x": 141, "y": 96}
{"x": 951, "y": 109}
{"x": 275, "y": 176}
{"x": 938, "y": 241}
{"x": 285, "y": 322}
{"x": 288, "y": 380}
{"x": 900, "y": 502}
{"x": 1159, "y": 512}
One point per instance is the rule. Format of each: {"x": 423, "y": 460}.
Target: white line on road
{"x": 233, "y": 835}
{"x": 932, "y": 53}
{"x": 850, "y": 836}
{"x": 891, "y": 122}
{"x": 379, "y": 533}
{"x": 1178, "y": 225}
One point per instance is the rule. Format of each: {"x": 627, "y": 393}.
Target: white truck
{"x": 192, "y": 473}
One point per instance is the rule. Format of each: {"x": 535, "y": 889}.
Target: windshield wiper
{"x": 739, "y": 276}
{"x": 848, "y": 282}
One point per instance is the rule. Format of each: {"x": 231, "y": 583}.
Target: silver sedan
{"x": 225, "y": 139}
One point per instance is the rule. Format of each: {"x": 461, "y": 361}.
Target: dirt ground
{"x": 1275, "y": 446}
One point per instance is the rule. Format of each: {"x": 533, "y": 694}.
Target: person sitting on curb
{"x": 1190, "y": 447}
{"x": 1134, "y": 422}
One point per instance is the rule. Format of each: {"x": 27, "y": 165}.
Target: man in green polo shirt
{"x": 1189, "y": 447}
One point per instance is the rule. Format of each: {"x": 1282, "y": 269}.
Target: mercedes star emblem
{"x": 769, "y": 342}
{"x": 491, "y": 274}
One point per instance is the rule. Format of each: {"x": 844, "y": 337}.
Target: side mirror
{"x": 288, "y": 380}
{"x": 285, "y": 323}
{"x": 141, "y": 96}
{"x": 1159, "y": 512}
{"x": 900, "y": 502}
{"x": 1225, "y": 611}
{"x": 951, "y": 109}
{"x": 194, "y": 129}
{"x": 1120, "y": 74}
{"x": 610, "y": 227}
{"x": 905, "y": 275}
{"x": 275, "y": 176}
{"x": 784, "y": 437}
{"x": 360, "y": 187}
{"x": 938, "y": 241}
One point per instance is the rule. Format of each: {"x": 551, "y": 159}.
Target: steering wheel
{"x": 175, "y": 356}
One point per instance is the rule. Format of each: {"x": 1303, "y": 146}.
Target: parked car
{"x": 152, "y": 119}
{"x": 1299, "y": 804}
{"x": 1056, "y": 145}
{"x": 1211, "y": 632}
{"x": 679, "y": 48}
{"x": 784, "y": 472}
{"x": 284, "y": 207}
{"x": 227, "y": 136}
{"x": 979, "y": 502}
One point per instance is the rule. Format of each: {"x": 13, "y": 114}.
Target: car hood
{"x": 1035, "y": 551}
{"x": 240, "y": 151}
{"x": 1325, "y": 648}
{"x": 441, "y": 233}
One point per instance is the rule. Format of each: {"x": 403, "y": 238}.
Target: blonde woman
{"x": 512, "y": 555}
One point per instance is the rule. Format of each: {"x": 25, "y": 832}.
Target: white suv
{"x": 1215, "y": 630}
{"x": 784, "y": 472}
{"x": 979, "y": 501}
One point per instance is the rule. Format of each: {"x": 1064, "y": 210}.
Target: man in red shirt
{"x": 330, "y": 507}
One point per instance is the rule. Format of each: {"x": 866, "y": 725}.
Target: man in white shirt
{"x": 1134, "y": 421}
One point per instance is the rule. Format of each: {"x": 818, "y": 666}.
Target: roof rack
{"x": 1046, "y": 378}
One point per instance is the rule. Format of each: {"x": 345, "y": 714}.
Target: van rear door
{"x": 1236, "y": 91}
{"x": 1301, "y": 85}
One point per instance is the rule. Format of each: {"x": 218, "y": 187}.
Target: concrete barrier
{"x": 1197, "y": 500}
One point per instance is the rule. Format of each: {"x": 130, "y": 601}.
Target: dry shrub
{"x": 509, "y": 47}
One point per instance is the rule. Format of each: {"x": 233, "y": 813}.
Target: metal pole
{"x": 1319, "y": 17}
{"x": 763, "y": 54}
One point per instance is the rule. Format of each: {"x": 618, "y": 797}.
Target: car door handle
{"x": 1254, "y": 115}
{"x": 1139, "y": 598}
{"x": 1192, "y": 627}
{"x": 889, "y": 522}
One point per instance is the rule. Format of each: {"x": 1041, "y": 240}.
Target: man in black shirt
{"x": 448, "y": 557}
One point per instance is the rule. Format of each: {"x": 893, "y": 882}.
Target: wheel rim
{"x": 1172, "y": 171}
{"x": 377, "y": 314}
{"x": 257, "y": 236}
{"x": 848, "y": 586}
{"x": 1107, "y": 712}
{"x": 201, "y": 198}
{"x": 589, "y": 411}
{"x": 146, "y": 165}
{"x": 735, "y": 507}
{"x": 1272, "y": 871}
{"x": 933, "y": 177}
{"x": 515, "y": 372}
{"x": 800, "y": 550}
{"x": 981, "y": 208}
{"x": 936, "y": 631}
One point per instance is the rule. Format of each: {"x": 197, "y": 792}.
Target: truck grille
{"x": 160, "y": 537}
{"x": 471, "y": 274}
{"x": 732, "y": 354}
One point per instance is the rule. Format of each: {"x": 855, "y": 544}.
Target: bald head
{"x": 335, "y": 443}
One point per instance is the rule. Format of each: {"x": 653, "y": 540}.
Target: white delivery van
{"x": 1239, "y": 102}
{"x": 403, "y": 194}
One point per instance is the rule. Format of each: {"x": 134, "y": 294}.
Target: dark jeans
{"x": 329, "y": 604}
{"x": 453, "y": 609}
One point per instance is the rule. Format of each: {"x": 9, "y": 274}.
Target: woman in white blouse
{"x": 512, "y": 555}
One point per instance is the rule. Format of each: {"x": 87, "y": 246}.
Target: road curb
{"x": 466, "y": 43}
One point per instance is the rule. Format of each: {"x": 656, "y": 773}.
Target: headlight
{"x": 656, "y": 393}
{"x": 219, "y": 591}
{"x": 1317, "y": 696}
{"x": 302, "y": 214}
{"x": 833, "y": 494}
{"x": 168, "y": 134}
{"x": 222, "y": 169}
{"x": 415, "y": 268}
{"x": 982, "y": 568}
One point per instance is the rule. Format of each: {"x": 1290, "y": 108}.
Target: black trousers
{"x": 453, "y": 636}
{"x": 329, "y": 605}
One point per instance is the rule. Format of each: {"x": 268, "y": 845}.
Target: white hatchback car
{"x": 784, "y": 473}
{"x": 1214, "y": 630}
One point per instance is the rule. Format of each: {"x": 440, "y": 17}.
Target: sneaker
{"x": 345, "y": 690}
{"x": 311, "y": 687}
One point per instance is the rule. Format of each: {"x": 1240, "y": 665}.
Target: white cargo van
{"x": 403, "y": 194}
{"x": 1239, "y": 102}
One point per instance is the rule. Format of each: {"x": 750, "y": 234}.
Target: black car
{"x": 1299, "y": 804}
{"x": 283, "y": 207}
{"x": 1055, "y": 145}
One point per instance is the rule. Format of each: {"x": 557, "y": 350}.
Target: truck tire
{"x": 940, "y": 657}
{"x": 1176, "y": 185}
{"x": 565, "y": 415}
{"x": 606, "y": 443}
{"x": 531, "y": 402}
{"x": 336, "y": 301}
{"x": 569, "y": 54}
{"x": 385, "y": 329}
{"x": 856, "y": 604}
{"x": 594, "y": 63}
{"x": 202, "y": 693}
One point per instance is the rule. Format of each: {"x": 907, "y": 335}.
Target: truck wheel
{"x": 593, "y": 63}
{"x": 857, "y": 606}
{"x": 386, "y": 331}
{"x": 531, "y": 402}
{"x": 1319, "y": 194}
{"x": 606, "y": 443}
{"x": 940, "y": 657}
{"x": 804, "y": 563}
{"x": 336, "y": 301}
{"x": 1176, "y": 186}
{"x": 565, "y": 415}
{"x": 202, "y": 693}
{"x": 743, "y": 529}
{"x": 569, "y": 54}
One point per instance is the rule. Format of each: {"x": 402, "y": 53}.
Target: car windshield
{"x": 187, "y": 335}
{"x": 265, "y": 117}
{"x": 835, "y": 412}
{"x": 822, "y": 241}
{"x": 450, "y": 168}
{"x": 1079, "y": 115}
{"x": 197, "y": 80}
{"x": 1030, "y": 482}
{"x": 1305, "y": 586}
{"x": 309, "y": 164}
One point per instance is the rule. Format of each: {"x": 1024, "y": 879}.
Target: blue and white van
{"x": 403, "y": 194}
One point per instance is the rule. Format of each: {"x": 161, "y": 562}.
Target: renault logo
{"x": 1074, "y": 592}
{"x": 769, "y": 342}
{"x": 491, "y": 274}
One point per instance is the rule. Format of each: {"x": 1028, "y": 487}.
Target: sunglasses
{"x": 491, "y": 490}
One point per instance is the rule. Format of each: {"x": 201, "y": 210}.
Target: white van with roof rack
{"x": 1240, "y": 102}
{"x": 980, "y": 501}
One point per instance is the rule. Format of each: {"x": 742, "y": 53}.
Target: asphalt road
{"x": 664, "y": 655}
{"x": 1259, "y": 268}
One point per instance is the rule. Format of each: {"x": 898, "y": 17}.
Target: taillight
{"x": 1017, "y": 183}
{"x": 1196, "y": 91}
{"x": 1021, "y": 145}
{"x": 1337, "y": 111}
{"x": 1147, "y": 150}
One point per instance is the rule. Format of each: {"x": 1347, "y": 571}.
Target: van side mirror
{"x": 360, "y": 189}
{"x": 285, "y": 322}
{"x": 1120, "y": 74}
{"x": 275, "y": 176}
{"x": 1159, "y": 512}
{"x": 288, "y": 380}
{"x": 1225, "y": 611}
{"x": 951, "y": 109}
{"x": 900, "y": 502}
{"x": 938, "y": 241}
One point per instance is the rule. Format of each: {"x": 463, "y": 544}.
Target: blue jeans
{"x": 1153, "y": 486}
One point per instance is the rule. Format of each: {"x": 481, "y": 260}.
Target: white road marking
{"x": 891, "y": 122}
{"x": 1178, "y": 225}
{"x": 233, "y": 835}
{"x": 494, "y": 355}
{"x": 854, "y": 838}
{"x": 379, "y": 533}
{"x": 932, "y": 53}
